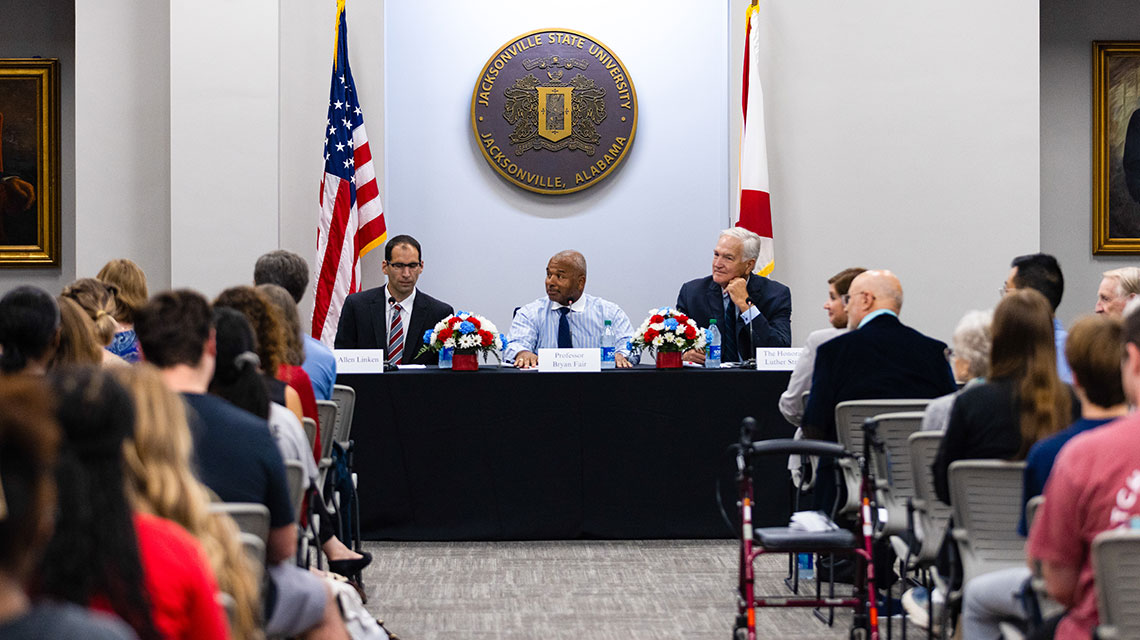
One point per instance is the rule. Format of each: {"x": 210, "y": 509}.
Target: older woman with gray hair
{"x": 970, "y": 360}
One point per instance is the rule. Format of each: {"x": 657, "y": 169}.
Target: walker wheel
{"x": 858, "y": 634}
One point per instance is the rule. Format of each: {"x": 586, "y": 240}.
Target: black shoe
{"x": 351, "y": 566}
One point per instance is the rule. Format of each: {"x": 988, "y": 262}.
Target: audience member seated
{"x": 970, "y": 362}
{"x": 29, "y": 330}
{"x": 29, "y": 439}
{"x": 1041, "y": 272}
{"x": 147, "y": 570}
{"x": 162, "y": 483}
{"x": 1023, "y": 400}
{"x": 77, "y": 342}
{"x": 237, "y": 458}
{"x": 1092, "y": 351}
{"x": 1091, "y": 489}
{"x": 751, "y": 311}
{"x": 98, "y": 301}
{"x": 293, "y": 353}
{"x": 128, "y": 282}
{"x": 1117, "y": 288}
{"x": 290, "y": 271}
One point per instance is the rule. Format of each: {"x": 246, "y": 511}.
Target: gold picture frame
{"x": 29, "y": 163}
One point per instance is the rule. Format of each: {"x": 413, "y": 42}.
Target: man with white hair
{"x": 1116, "y": 288}
{"x": 750, "y": 310}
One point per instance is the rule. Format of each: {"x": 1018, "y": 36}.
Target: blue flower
{"x": 427, "y": 336}
{"x": 461, "y": 314}
{"x": 466, "y": 327}
{"x": 670, "y": 323}
{"x": 503, "y": 339}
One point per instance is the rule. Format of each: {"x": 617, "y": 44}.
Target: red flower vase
{"x": 464, "y": 362}
{"x": 668, "y": 359}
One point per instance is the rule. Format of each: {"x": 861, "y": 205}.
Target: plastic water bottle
{"x": 445, "y": 358}
{"x": 712, "y": 349}
{"x": 608, "y": 341}
{"x": 807, "y": 571}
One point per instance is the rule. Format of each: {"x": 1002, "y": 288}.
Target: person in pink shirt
{"x": 1094, "y": 487}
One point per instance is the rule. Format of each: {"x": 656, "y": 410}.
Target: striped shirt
{"x": 535, "y": 326}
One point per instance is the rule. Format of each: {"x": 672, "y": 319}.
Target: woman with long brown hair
{"x": 1022, "y": 401}
{"x": 160, "y": 482}
{"x": 97, "y": 299}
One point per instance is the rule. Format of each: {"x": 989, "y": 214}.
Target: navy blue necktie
{"x": 728, "y": 351}
{"x": 564, "y": 341}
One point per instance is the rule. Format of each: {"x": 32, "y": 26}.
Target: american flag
{"x": 755, "y": 205}
{"x": 352, "y": 218}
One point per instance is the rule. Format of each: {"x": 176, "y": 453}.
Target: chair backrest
{"x": 345, "y": 398}
{"x": 327, "y": 413}
{"x": 251, "y": 517}
{"x": 851, "y": 414}
{"x": 295, "y": 479}
{"x": 933, "y": 514}
{"x": 254, "y": 549}
{"x": 894, "y": 474}
{"x": 986, "y": 502}
{"x": 310, "y": 426}
{"x": 1116, "y": 561}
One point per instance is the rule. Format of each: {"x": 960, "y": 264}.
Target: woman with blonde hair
{"x": 77, "y": 342}
{"x": 98, "y": 301}
{"x": 129, "y": 284}
{"x": 160, "y": 482}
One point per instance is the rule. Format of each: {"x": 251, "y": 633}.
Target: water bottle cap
{"x": 712, "y": 320}
{"x": 608, "y": 323}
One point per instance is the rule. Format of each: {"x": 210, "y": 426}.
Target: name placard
{"x": 569, "y": 360}
{"x": 359, "y": 360}
{"x": 776, "y": 359}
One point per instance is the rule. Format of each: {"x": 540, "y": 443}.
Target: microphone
{"x": 747, "y": 428}
{"x": 391, "y": 299}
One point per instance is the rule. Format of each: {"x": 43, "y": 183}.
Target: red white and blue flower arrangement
{"x": 668, "y": 333}
{"x": 468, "y": 334}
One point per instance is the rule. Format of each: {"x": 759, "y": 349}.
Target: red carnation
{"x": 650, "y": 334}
{"x": 682, "y": 318}
{"x": 475, "y": 321}
{"x": 444, "y": 334}
{"x": 487, "y": 337}
{"x": 657, "y": 318}
{"x": 454, "y": 321}
{"x": 690, "y": 333}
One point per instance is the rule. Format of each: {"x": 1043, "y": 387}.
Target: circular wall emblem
{"x": 554, "y": 111}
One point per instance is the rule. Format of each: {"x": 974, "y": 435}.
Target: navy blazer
{"x": 883, "y": 360}
{"x": 364, "y": 324}
{"x": 702, "y": 299}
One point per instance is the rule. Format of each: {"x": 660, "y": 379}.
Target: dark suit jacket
{"x": 702, "y": 299}
{"x": 364, "y": 323}
{"x": 883, "y": 360}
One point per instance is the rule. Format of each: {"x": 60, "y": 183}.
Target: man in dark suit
{"x": 878, "y": 358}
{"x": 393, "y": 317}
{"x": 750, "y": 310}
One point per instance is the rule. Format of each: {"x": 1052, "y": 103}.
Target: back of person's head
{"x": 29, "y": 438}
{"x": 262, "y": 317}
{"x": 77, "y": 342}
{"x": 1024, "y": 351}
{"x": 237, "y": 377}
{"x": 1042, "y": 273}
{"x": 842, "y": 280}
{"x": 173, "y": 328}
{"x": 402, "y": 239}
{"x": 94, "y": 550}
{"x": 284, "y": 269}
{"x": 130, "y": 287}
{"x": 161, "y": 481}
{"x": 29, "y": 322}
{"x": 98, "y": 300}
{"x": 1093, "y": 351}
{"x": 972, "y": 342}
{"x": 294, "y": 351}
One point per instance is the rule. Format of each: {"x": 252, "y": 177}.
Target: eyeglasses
{"x": 400, "y": 266}
{"x": 847, "y": 296}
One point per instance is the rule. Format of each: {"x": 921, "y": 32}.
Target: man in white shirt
{"x": 566, "y": 317}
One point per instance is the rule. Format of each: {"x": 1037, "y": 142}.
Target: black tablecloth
{"x": 500, "y": 454}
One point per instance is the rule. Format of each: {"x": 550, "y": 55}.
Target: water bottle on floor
{"x": 608, "y": 342}
{"x": 807, "y": 571}
{"x": 712, "y": 349}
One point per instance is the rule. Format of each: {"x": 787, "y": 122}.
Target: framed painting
{"x": 29, "y": 162}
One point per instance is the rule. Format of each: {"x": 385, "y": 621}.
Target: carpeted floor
{"x": 596, "y": 590}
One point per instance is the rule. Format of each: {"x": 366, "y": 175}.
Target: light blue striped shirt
{"x": 535, "y": 326}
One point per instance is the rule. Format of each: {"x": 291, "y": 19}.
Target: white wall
{"x": 122, "y": 136}
{"x": 1067, "y": 33}
{"x": 901, "y": 135}
{"x": 644, "y": 230}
